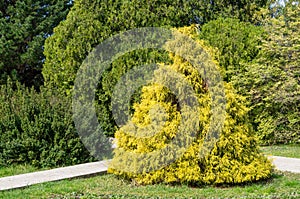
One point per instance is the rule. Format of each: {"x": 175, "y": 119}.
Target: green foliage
{"x": 272, "y": 80}
{"x": 37, "y": 128}
{"x": 91, "y": 22}
{"x": 244, "y": 10}
{"x": 234, "y": 158}
{"x": 236, "y": 42}
{"x": 24, "y": 26}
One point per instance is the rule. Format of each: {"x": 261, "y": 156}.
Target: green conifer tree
{"x": 91, "y": 22}
{"x": 24, "y": 27}
{"x": 236, "y": 42}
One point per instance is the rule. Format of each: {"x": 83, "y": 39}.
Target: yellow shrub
{"x": 235, "y": 158}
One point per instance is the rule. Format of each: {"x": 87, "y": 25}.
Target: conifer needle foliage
{"x": 235, "y": 157}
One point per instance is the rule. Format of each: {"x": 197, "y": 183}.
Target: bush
{"x": 91, "y": 22}
{"x": 271, "y": 80}
{"x": 37, "y": 128}
{"x": 236, "y": 42}
{"x": 234, "y": 158}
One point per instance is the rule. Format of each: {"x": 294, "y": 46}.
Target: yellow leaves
{"x": 234, "y": 158}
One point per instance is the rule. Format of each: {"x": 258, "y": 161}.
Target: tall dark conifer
{"x": 24, "y": 26}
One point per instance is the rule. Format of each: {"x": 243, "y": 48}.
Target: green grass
{"x": 282, "y": 185}
{"x": 17, "y": 169}
{"x": 292, "y": 151}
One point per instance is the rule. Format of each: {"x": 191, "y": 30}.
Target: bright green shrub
{"x": 37, "y": 128}
{"x": 235, "y": 157}
{"x": 236, "y": 42}
{"x": 91, "y": 22}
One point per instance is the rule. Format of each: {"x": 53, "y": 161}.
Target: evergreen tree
{"x": 234, "y": 158}
{"x": 91, "y": 22}
{"x": 24, "y": 26}
{"x": 272, "y": 81}
{"x": 243, "y": 10}
{"x": 236, "y": 42}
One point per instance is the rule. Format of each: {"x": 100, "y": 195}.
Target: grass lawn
{"x": 292, "y": 151}
{"x": 18, "y": 169}
{"x": 282, "y": 185}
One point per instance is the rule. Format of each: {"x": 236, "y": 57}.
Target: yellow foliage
{"x": 235, "y": 158}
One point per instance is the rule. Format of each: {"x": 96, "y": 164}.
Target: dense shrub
{"x": 91, "y": 22}
{"x": 271, "y": 81}
{"x": 37, "y": 128}
{"x": 234, "y": 158}
{"x": 261, "y": 62}
{"x": 236, "y": 42}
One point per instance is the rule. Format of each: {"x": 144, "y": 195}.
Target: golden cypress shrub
{"x": 234, "y": 158}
